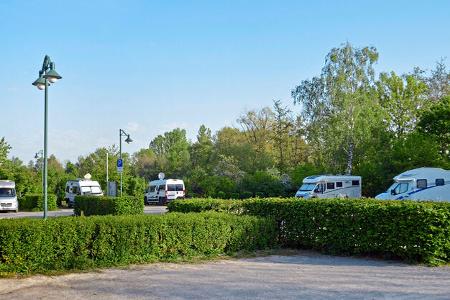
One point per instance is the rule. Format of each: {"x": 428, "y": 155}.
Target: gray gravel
{"x": 305, "y": 275}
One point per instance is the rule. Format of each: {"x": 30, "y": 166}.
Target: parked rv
{"x": 162, "y": 191}
{"x": 420, "y": 184}
{"x": 8, "y": 197}
{"x": 84, "y": 186}
{"x": 330, "y": 186}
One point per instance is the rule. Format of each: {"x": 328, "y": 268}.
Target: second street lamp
{"x": 127, "y": 140}
{"x": 46, "y": 74}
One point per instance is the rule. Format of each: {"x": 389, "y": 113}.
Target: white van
{"x": 330, "y": 186}
{"x": 8, "y": 197}
{"x": 164, "y": 190}
{"x": 79, "y": 186}
{"x": 420, "y": 184}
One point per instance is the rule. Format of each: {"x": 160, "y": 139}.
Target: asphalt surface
{"x": 69, "y": 212}
{"x": 305, "y": 275}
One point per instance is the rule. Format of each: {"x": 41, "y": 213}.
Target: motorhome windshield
{"x": 307, "y": 187}
{"x": 7, "y": 192}
{"x": 91, "y": 190}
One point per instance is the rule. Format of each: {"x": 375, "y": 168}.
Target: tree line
{"x": 348, "y": 120}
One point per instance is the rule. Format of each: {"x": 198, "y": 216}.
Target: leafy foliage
{"x": 413, "y": 231}
{"x": 35, "y": 202}
{"x": 93, "y": 205}
{"x": 35, "y": 246}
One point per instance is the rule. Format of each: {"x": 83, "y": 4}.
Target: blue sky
{"x": 151, "y": 66}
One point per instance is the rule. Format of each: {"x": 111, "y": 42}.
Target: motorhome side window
{"x": 421, "y": 183}
{"x": 355, "y": 182}
{"x": 338, "y": 184}
{"x": 162, "y": 187}
{"x": 440, "y": 181}
{"x": 330, "y": 185}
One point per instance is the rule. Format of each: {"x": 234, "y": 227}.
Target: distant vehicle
{"x": 84, "y": 186}
{"x": 162, "y": 191}
{"x": 330, "y": 186}
{"x": 8, "y": 197}
{"x": 420, "y": 184}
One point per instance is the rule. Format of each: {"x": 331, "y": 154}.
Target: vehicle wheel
{"x": 145, "y": 201}
{"x": 160, "y": 201}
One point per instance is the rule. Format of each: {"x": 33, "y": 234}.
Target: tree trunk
{"x": 349, "y": 159}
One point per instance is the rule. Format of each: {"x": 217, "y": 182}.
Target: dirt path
{"x": 306, "y": 275}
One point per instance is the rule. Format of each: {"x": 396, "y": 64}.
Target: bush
{"x": 413, "y": 231}
{"x": 35, "y": 202}
{"x": 35, "y": 245}
{"x": 93, "y": 205}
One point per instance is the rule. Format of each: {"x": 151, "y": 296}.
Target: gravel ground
{"x": 304, "y": 275}
{"x": 68, "y": 212}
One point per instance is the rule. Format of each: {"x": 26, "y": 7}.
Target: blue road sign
{"x": 119, "y": 165}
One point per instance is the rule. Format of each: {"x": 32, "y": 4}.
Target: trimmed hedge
{"x": 36, "y": 245}
{"x": 35, "y": 202}
{"x": 413, "y": 231}
{"x": 92, "y": 205}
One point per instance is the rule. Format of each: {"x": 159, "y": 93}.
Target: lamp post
{"x": 37, "y": 156}
{"x": 47, "y": 75}
{"x": 127, "y": 140}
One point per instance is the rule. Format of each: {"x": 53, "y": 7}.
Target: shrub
{"x": 35, "y": 245}
{"x": 94, "y": 205}
{"x": 35, "y": 202}
{"x": 413, "y": 231}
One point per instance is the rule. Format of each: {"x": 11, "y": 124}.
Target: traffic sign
{"x": 120, "y": 165}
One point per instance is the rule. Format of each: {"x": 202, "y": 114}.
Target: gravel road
{"x": 68, "y": 212}
{"x": 304, "y": 275}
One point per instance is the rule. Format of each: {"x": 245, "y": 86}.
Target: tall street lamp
{"x": 39, "y": 156}
{"x": 127, "y": 140}
{"x": 47, "y": 75}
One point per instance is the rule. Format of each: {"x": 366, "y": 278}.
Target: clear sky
{"x": 151, "y": 66}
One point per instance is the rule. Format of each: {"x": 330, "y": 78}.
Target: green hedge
{"x": 35, "y": 202}
{"x": 92, "y": 205}
{"x": 413, "y": 231}
{"x": 36, "y": 245}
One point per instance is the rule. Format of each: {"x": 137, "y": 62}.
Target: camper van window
{"x": 307, "y": 187}
{"x": 421, "y": 183}
{"x": 355, "y": 182}
{"x": 7, "y": 192}
{"x": 75, "y": 190}
{"x": 162, "y": 187}
{"x": 338, "y": 184}
{"x": 330, "y": 185}
{"x": 152, "y": 188}
{"x": 440, "y": 181}
{"x": 401, "y": 188}
{"x": 175, "y": 187}
{"x": 67, "y": 189}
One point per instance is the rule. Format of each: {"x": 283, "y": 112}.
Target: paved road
{"x": 305, "y": 275}
{"x": 69, "y": 212}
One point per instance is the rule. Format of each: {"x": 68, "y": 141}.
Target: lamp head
{"x": 52, "y": 76}
{"x": 39, "y": 83}
{"x": 128, "y": 139}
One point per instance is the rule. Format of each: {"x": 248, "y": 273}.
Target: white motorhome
{"x": 84, "y": 186}
{"x": 8, "y": 197}
{"x": 330, "y": 186}
{"x": 163, "y": 190}
{"x": 420, "y": 184}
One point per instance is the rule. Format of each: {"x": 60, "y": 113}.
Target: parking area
{"x": 300, "y": 275}
{"x": 68, "y": 212}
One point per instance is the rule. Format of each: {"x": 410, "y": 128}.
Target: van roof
{"x": 162, "y": 181}
{"x": 317, "y": 178}
{"x": 7, "y": 184}
{"x": 424, "y": 173}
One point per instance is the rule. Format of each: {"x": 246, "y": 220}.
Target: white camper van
{"x": 163, "y": 190}
{"x": 8, "y": 197}
{"x": 84, "y": 186}
{"x": 420, "y": 184}
{"x": 330, "y": 186}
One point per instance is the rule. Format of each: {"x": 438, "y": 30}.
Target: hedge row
{"x": 35, "y": 245}
{"x": 413, "y": 231}
{"x": 35, "y": 202}
{"x": 93, "y": 205}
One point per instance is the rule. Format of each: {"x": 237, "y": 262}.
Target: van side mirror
{"x": 393, "y": 192}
